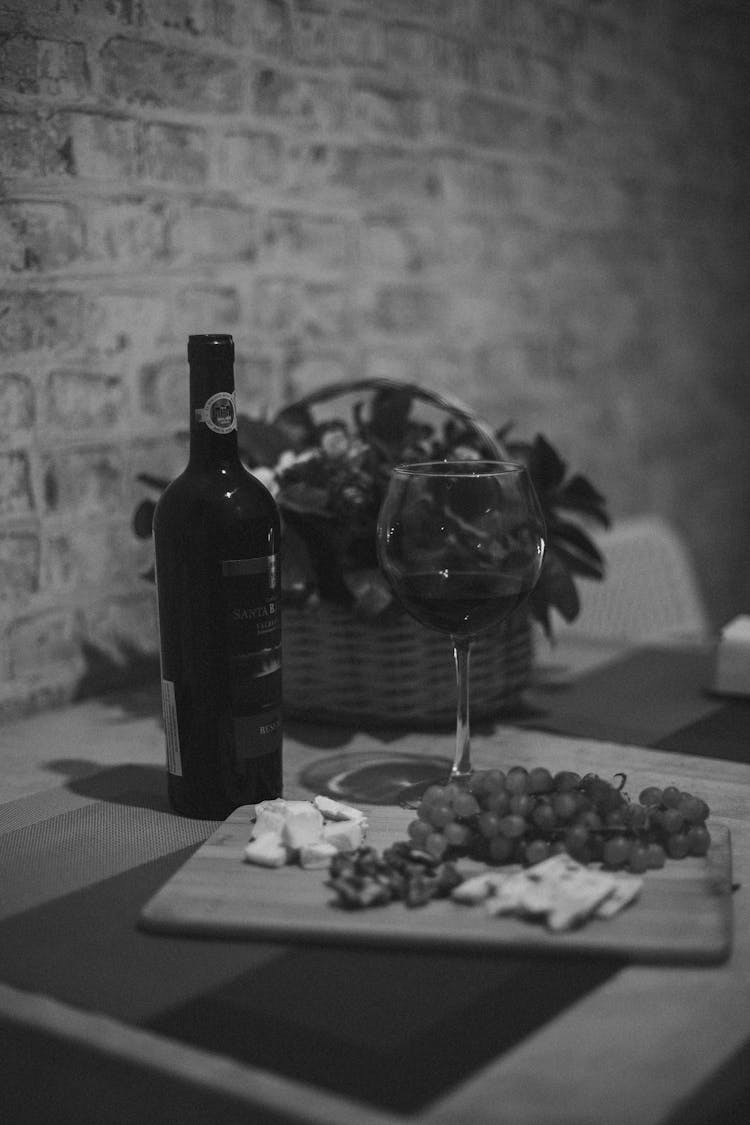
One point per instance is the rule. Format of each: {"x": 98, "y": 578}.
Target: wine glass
{"x": 462, "y": 545}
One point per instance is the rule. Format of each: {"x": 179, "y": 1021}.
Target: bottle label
{"x": 252, "y": 601}
{"x": 219, "y": 413}
{"x": 171, "y": 731}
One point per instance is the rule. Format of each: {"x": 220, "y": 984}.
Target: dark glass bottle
{"x": 216, "y": 545}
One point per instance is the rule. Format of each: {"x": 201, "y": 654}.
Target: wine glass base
{"x": 375, "y": 777}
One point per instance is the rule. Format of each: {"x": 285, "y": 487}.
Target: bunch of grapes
{"x": 524, "y": 816}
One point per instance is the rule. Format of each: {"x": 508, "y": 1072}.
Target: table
{"x": 101, "y": 1022}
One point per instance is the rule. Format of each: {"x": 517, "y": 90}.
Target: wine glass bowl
{"x": 462, "y": 545}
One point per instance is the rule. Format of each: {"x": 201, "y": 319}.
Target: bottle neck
{"x": 213, "y": 413}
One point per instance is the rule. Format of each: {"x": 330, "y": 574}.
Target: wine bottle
{"x": 217, "y": 554}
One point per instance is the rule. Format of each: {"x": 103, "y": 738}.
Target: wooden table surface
{"x": 642, "y": 1046}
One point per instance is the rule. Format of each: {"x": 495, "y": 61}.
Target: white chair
{"x": 649, "y": 590}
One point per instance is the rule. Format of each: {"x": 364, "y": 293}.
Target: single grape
{"x": 498, "y": 802}
{"x": 517, "y": 780}
{"x": 436, "y": 844}
{"x": 494, "y": 780}
{"x": 678, "y": 846}
{"x": 440, "y": 815}
{"x": 544, "y": 817}
{"x": 488, "y": 824}
{"x": 576, "y": 840}
{"x": 615, "y": 818}
{"x": 457, "y": 835}
{"x": 540, "y": 780}
{"x": 521, "y": 803}
{"x": 566, "y": 780}
{"x": 424, "y": 808}
{"x": 670, "y": 797}
{"x": 451, "y": 792}
{"x": 616, "y": 851}
{"x": 691, "y": 809}
{"x": 638, "y": 859}
{"x": 512, "y": 826}
{"x": 656, "y": 855}
{"x": 671, "y": 820}
{"x": 536, "y": 851}
{"x": 476, "y": 782}
{"x": 589, "y": 819}
{"x": 465, "y": 805}
{"x": 609, "y": 800}
{"x": 636, "y": 817}
{"x": 650, "y": 796}
{"x": 564, "y": 805}
{"x": 699, "y": 839}
{"x": 418, "y": 831}
{"x": 583, "y": 801}
{"x": 432, "y": 794}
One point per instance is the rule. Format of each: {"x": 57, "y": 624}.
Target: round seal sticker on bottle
{"x": 219, "y": 413}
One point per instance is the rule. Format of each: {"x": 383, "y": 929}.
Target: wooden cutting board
{"x": 683, "y": 914}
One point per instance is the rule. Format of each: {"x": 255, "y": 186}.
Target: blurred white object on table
{"x": 732, "y": 675}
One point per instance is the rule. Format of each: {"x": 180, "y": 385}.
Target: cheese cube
{"x": 345, "y": 835}
{"x": 302, "y": 824}
{"x": 266, "y": 851}
{"x": 335, "y": 810}
{"x": 318, "y": 854}
{"x": 269, "y": 821}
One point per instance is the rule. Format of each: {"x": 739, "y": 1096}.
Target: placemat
{"x": 654, "y": 696}
{"x": 95, "y": 851}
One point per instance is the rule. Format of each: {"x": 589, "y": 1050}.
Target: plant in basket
{"x": 329, "y": 477}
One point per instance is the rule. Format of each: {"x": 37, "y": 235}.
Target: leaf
{"x": 556, "y": 588}
{"x": 159, "y": 483}
{"x": 562, "y": 531}
{"x": 576, "y": 564}
{"x": 261, "y": 442}
{"x": 546, "y": 466}
{"x": 579, "y": 495}
{"x": 391, "y": 408}
{"x": 143, "y": 519}
{"x": 297, "y": 422}
{"x": 305, "y": 499}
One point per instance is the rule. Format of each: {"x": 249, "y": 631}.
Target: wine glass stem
{"x": 462, "y": 762}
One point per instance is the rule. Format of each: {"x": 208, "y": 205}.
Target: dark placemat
{"x": 350, "y": 1021}
{"x": 654, "y": 696}
{"x": 724, "y": 733}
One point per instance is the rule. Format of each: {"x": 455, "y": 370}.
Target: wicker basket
{"x": 339, "y": 668}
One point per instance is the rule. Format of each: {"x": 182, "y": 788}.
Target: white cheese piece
{"x": 515, "y": 895}
{"x": 278, "y": 804}
{"x": 318, "y": 854}
{"x": 302, "y": 825}
{"x": 268, "y": 821}
{"x": 335, "y": 810}
{"x": 267, "y": 851}
{"x": 626, "y": 888}
{"x": 479, "y": 887}
{"x": 559, "y": 889}
{"x": 345, "y": 835}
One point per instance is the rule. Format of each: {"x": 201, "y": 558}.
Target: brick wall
{"x": 540, "y": 204}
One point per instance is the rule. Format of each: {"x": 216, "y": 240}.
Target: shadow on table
{"x": 138, "y": 786}
{"x": 403, "y": 1029}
